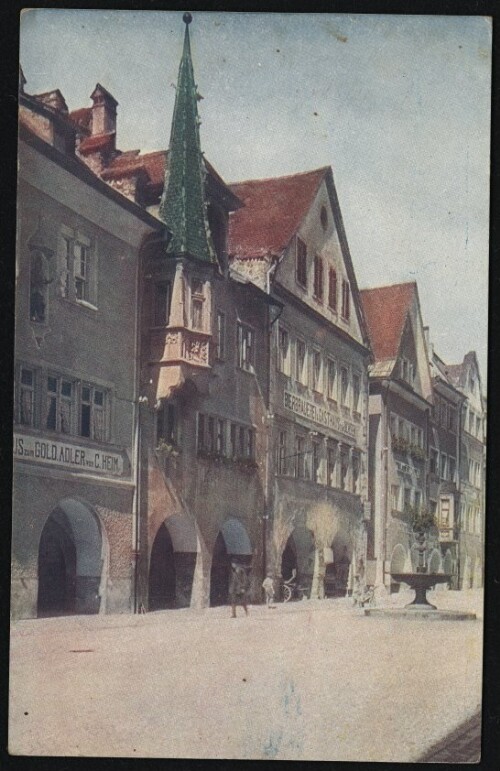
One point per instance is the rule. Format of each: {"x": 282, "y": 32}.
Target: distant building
{"x": 444, "y": 462}
{"x": 472, "y": 471}
{"x": 75, "y": 413}
{"x": 400, "y": 405}
{"x": 289, "y": 239}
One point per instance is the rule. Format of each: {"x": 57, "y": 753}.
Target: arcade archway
{"x": 70, "y": 561}
{"x": 172, "y": 564}
{"x": 232, "y": 544}
{"x": 298, "y": 555}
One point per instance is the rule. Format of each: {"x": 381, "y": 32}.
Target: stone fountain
{"x": 420, "y": 580}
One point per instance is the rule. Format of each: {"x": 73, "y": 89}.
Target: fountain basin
{"x": 420, "y": 582}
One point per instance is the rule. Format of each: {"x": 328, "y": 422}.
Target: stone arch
{"x": 338, "y": 572}
{"x": 172, "y": 563}
{"x": 73, "y": 556}
{"x": 298, "y": 554}
{"x": 232, "y": 543}
{"x": 434, "y": 562}
{"x": 398, "y": 559}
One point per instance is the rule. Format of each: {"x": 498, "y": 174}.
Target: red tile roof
{"x": 385, "y": 309}
{"x": 273, "y": 210}
{"x": 82, "y": 117}
{"x": 98, "y": 142}
{"x": 129, "y": 163}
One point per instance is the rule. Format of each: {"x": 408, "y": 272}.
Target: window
{"x": 445, "y": 510}
{"x": 395, "y": 497}
{"x": 301, "y": 262}
{"x": 250, "y": 444}
{"x": 93, "y": 413}
{"x": 82, "y": 271}
{"x": 281, "y": 459}
{"x": 332, "y": 289}
{"x": 315, "y": 461}
{"x": 346, "y": 311}
{"x": 220, "y": 444}
{"x": 404, "y": 369}
{"x": 77, "y": 267}
{"x": 452, "y": 419}
{"x": 246, "y": 348}
{"x": 331, "y": 464}
{"x": 356, "y": 391}
{"x": 299, "y": 457}
{"x": 394, "y": 425}
{"x": 39, "y": 281}
{"x": 301, "y": 362}
{"x": 344, "y": 387}
{"x": 452, "y": 468}
{"x": 162, "y": 301}
{"x": 317, "y": 372}
{"x": 220, "y": 350}
{"x": 478, "y": 426}
{"x": 356, "y": 466}
{"x": 444, "y": 466}
{"x": 323, "y": 216}
{"x": 433, "y": 461}
{"x": 318, "y": 278}
{"x": 197, "y": 302}
{"x": 406, "y": 498}
{"x": 26, "y": 408}
{"x": 210, "y": 434}
{"x": 59, "y": 404}
{"x": 471, "y": 422}
{"x": 332, "y": 380}
{"x": 241, "y": 442}
{"x": 417, "y": 500}
{"x": 166, "y": 423}
{"x": 283, "y": 351}
{"x": 344, "y": 467}
{"x": 233, "y": 450}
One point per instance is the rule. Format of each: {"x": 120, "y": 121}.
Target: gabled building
{"x": 466, "y": 378}
{"x": 75, "y": 412}
{"x": 444, "y": 462}
{"x": 400, "y": 405}
{"x": 289, "y": 239}
{"x": 204, "y": 360}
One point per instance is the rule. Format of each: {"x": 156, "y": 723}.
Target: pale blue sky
{"x": 399, "y": 106}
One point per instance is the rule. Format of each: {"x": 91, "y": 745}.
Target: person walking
{"x": 238, "y": 588}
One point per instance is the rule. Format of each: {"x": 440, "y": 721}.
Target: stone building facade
{"x": 400, "y": 406}
{"x": 444, "y": 463}
{"x": 75, "y": 375}
{"x": 289, "y": 239}
{"x": 466, "y": 378}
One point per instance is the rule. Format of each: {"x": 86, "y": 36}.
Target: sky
{"x": 399, "y": 106}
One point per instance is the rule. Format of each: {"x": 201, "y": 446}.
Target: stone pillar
{"x": 200, "y": 595}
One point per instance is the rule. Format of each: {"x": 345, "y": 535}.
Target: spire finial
{"x": 187, "y": 18}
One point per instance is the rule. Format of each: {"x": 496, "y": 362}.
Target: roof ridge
{"x": 282, "y": 176}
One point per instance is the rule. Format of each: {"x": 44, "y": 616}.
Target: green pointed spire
{"x": 183, "y": 204}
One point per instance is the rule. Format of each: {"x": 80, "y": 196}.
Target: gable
{"x": 413, "y": 347}
{"x": 319, "y": 235}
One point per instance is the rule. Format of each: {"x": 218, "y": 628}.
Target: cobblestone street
{"x": 301, "y": 681}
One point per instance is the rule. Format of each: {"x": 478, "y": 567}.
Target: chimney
{"x": 103, "y": 111}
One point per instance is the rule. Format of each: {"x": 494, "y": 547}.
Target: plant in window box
{"x": 417, "y": 452}
{"x": 400, "y": 444}
{"x": 167, "y": 450}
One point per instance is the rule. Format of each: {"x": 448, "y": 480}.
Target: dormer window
{"x": 346, "y": 300}
{"x": 318, "y": 278}
{"x": 301, "y": 263}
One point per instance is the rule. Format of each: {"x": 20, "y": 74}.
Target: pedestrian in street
{"x": 238, "y": 588}
{"x": 268, "y": 586}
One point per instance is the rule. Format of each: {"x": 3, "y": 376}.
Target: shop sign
{"x": 318, "y": 414}
{"x": 67, "y": 455}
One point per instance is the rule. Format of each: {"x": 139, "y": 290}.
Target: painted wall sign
{"x": 72, "y": 456}
{"x": 317, "y": 414}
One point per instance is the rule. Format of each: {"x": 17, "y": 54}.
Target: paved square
{"x": 312, "y": 680}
